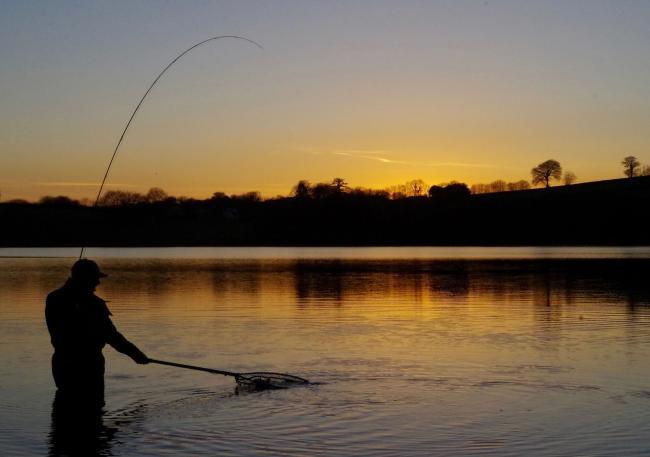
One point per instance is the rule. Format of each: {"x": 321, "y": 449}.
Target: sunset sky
{"x": 376, "y": 92}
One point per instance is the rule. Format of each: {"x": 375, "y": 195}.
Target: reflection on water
{"x": 78, "y": 430}
{"x": 416, "y": 357}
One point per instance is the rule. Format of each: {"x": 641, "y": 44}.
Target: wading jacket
{"x": 80, "y": 326}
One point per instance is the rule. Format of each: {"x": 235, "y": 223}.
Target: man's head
{"x": 85, "y": 273}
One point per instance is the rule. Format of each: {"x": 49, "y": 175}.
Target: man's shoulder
{"x": 63, "y": 294}
{"x": 55, "y": 302}
{"x": 57, "y": 295}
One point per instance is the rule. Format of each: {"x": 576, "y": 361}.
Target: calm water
{"x": 419, "y": 351}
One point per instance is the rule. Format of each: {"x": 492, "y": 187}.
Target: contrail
{"x": 110, "y": 163}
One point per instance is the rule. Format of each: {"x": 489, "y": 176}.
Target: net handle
{"x": 194, "y": 367}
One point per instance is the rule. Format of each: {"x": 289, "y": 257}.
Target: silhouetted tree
{"x": 456, "y": 191}
{"x": 498, "y": 186}
{"x": 453, "y": 191}
{"x": 645, "y": 171}
{"x": 156, "y": 195}
{"x": 121, "y": 198}
{"x": 435, "y": 191}
{"x": 339, "y": 184}
{"x": 397, "y": 192}
{"x": 253, "y": 196}
{"x": 415, "y": 188}
{"x": 630, "y": 165}
{"x": 543, "y": 172}
{"x": 219, "y": 196}
{"x": 60, "y": 200}
{"x": 185, "y": 200}
{"x": 480, "y": 188}
{"x": 302, "y": 189}
{"x": 363, "y": 192}
{"x": 569, "y": 178}
{"x": 519, "y": 185}
{"x": 322, "y": 190}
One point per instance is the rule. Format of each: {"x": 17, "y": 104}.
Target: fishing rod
{"x": 119, "y": 142}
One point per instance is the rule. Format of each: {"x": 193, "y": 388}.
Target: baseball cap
{"x": 86, "y": 268}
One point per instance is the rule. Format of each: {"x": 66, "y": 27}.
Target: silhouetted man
{"x": 80, "y": 326}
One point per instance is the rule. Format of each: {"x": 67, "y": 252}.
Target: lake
{"x": 414, "y": 351}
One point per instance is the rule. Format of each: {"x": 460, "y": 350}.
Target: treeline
{"x": 304, "y": 190}
{"x": 326, "y": 214}
{"x": 542, "y": 174}
{"x": 500, "y": 186}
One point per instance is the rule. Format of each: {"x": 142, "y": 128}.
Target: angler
{"x": 80, "y": 326}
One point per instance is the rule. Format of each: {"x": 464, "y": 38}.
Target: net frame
{"x": 263, "y": 380}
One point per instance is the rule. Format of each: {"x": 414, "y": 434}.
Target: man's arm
{"x": 121, "y": 344}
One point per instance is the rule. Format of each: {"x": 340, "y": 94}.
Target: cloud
{"x": 79, "y": 184}
{"x": 372, "y": 155}
{"x": 361, "y": 151}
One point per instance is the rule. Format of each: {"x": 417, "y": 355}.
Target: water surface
{"x": 418, "y": 351}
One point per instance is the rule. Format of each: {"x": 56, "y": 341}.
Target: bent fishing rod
{"x": 128, "y": 124}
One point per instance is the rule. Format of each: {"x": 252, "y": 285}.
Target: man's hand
{"x": 140, "y": 358}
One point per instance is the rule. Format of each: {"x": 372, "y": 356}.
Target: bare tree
{"x": 397, "y": 192}
{"x": 480, "y": 188}
{"x": 569, "y": 178}
{"x": 630, "y": 164}
{"x": 155, "y": 195}
{"x": 545, "y": 171}
{"x": 498, "y": 186}
{"x": 519, "y": 185}
{"x": 120, "y": 198}
{"x": 416, "y": 188}
{"x": 413, "y": 188}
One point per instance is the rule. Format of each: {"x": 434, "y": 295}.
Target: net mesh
{"x": 262, "y": 380}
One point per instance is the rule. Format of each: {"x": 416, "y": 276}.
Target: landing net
{"x": 262, "y": 380}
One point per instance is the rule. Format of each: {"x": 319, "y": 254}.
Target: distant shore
{"x": 601, "y": 213}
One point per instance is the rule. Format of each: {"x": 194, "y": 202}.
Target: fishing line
{"x": 117, "y": 147}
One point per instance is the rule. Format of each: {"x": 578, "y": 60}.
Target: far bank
{"x": 598, "y": 213}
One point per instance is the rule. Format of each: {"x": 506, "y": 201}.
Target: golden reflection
{"x": 477, "y": 298}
